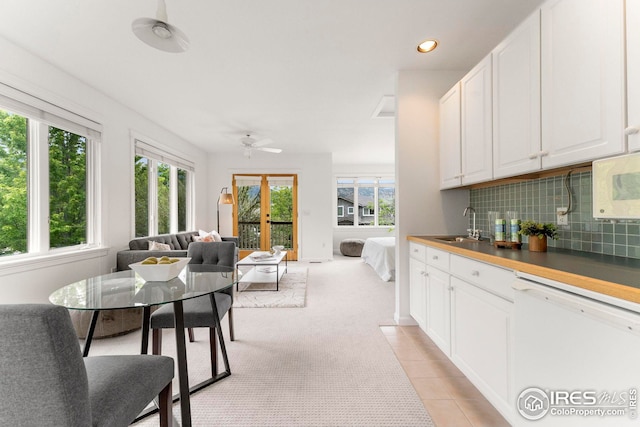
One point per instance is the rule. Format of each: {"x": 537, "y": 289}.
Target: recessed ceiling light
{"x": 427, "y": 46}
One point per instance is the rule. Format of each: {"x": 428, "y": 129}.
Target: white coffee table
{"x": 266, "y": 268}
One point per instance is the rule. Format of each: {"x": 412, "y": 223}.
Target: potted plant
{"x": 538, "y": 234}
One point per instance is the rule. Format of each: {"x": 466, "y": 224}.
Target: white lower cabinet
{"x": 439, "y": 308}
{"x": 417, "y": 283}
{"x": 468, "y": 315}
{"x": 481, "y": 325}
{"x": 521, "y": 340}
{"x": 417, "y": 294}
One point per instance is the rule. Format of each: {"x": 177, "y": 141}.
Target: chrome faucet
{"x": 474, "y": 233}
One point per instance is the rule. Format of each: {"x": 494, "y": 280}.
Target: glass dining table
{"x": 126, "y": 289}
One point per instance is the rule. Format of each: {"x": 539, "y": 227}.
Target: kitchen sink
{"x": 457, "y": 239}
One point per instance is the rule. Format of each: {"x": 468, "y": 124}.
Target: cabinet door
{"x": 480, "y": 341}
{"x": 582, "y": 80}
{"x": 439, "y": 308}
{"x": 417, "y": 295}
{"x": 516, "y": 101}
{"x": 633, "y": 74}
{"x": 475, "y": 88}
{"x": 450, "y": 171}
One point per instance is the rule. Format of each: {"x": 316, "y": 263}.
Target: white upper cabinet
{"x": 450, "y": 172}
{"x": 476, "y": 135}
{"x": 582, "y": 80}
{"x": 633, "y": 74}
{"x": 516, "y": 101}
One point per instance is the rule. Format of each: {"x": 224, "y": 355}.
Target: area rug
{"x": 291, "y": 294}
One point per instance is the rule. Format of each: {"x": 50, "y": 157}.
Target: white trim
{"x": 357, "y": 184}
{"x": 20, "y": 264}
{"x": 42, "y": 116}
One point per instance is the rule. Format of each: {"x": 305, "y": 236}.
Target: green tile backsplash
{"x": 538, "y": 199}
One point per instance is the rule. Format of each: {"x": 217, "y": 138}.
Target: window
{"x": 163, "y": 191}
{"x": 340, "y": 211}
{"x": 48, "y": 182}
{"x": 372, "y": 197}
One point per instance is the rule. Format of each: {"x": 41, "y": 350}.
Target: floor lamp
{"x": 224, "y": 198}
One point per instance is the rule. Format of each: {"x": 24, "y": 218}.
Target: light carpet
{"x": 325, "y": 365}
{"x": 292, "y": 292}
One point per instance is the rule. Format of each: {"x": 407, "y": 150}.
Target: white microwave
{"x": 616, "y": 187}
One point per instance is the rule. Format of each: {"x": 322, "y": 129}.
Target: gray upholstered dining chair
{"x": 198, "y": 312}
{"x": 45, "y": 381}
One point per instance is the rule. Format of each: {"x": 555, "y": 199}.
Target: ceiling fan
{"x": 159, "y": 33}
{"x": 249, "y": 143}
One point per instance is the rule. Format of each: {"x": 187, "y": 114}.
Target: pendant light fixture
{"x": 158, "y": 33}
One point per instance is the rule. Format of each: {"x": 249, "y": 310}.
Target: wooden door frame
{"x": 265, "y": 234}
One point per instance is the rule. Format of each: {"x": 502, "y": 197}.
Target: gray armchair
{"x": 198, "y": 312}
{"x": 44, "y": 380}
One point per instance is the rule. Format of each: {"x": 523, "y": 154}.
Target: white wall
{"x": 314, "y": 194}
{"x": 34, "y": 282}
{"x": 421, "y": 208}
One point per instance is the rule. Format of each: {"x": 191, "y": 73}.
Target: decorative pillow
{"x": 214, "y": 234}
{"x": 207, "y": 238}
{"x": 157, "y": 246}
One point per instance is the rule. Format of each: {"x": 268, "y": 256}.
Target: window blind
{"x": 248, "y": 181}
{"x": 149, "y": 151}
{"x": 34, "y": 108}
{"x": 280, "y": 181}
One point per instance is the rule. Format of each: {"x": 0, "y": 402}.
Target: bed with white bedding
{"x": 380, "y": 253}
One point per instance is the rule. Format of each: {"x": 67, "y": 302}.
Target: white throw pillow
{"x": 214, "y": 234}
{"x": 157, "y": 246}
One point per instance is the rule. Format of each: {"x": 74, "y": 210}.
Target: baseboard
{"x": 404, "y": 320}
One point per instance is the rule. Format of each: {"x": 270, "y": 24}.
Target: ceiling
{"x": 308, "y": 74}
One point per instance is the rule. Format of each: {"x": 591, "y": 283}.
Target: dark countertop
{"x": 614, "y": 276}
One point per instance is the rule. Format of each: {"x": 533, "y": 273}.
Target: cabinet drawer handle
{"x": 475, "y": 273}
{"x": 533, "y": 156}
{"x": 450, "y": 288}
{"x": 435, "y": 257}
{"x": 544, "y": 153}
{"x": 631, "y": 130}
{"x": 415, "y": 250}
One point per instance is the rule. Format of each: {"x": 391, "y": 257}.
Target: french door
{"x": 266, "y": 212}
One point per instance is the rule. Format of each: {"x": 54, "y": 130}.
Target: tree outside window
{"x": 162, "y": 195}
{"x": 13, "y": 183}
{"x": 67, "y": 188}
{"x": 29, "y": 223}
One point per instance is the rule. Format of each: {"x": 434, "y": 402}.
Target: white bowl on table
{"x": 160, "y": 272}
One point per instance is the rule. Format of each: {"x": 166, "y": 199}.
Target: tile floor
{"x": 448, "y": 395}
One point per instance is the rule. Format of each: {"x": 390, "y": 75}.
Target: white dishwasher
{"x": 576, "y": 359}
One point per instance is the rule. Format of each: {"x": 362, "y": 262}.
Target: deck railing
{"x": 249, "y": 234}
